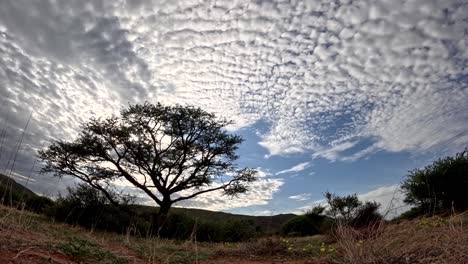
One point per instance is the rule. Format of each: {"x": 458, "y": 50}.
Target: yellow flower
{"x": 322, "y": 248}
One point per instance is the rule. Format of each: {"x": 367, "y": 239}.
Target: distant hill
{"x": 18, "y": 191}
{"x": 267, "y": 223}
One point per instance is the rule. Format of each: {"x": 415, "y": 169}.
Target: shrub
{"x": 348, "y": 210}
{"x": 300, "y": 226}
{"x": 439, "y": 187}
{"x": 38, "y": 204}
{"x": 311, "y": 223}
{"x": 85, "y": 206}
{"x": 366, "y": 215}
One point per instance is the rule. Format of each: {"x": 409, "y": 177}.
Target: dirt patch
{"x": 33, "y": 255}
{"x": 229, "y": 260}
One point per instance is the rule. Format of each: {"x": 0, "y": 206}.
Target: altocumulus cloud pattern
{"x": 324, "y": 75}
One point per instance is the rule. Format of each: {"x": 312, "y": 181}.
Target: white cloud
{"x": 301, "y": 197}
{"x": 263, "y": 213}
{"x": 260, "y": 193}
{"x": 324, "y": 75}
{"x": 296, "y": 168}
{"x": 262, "y": 173}
{"x": 333, "y": 152}
{"x": 305, "y": 208}
{"x": 390, "y": 198}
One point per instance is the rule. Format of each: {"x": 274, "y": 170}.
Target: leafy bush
{"x": 366, "y": 214}
{"x": 87, "y": 207}
{"x": 439, "y": 187}
{"x": 311, "y": 223}
{"x": 38, "y": 204}
{"x": 348, "y": 210}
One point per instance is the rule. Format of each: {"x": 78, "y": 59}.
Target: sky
{"x": 341, "y": 96}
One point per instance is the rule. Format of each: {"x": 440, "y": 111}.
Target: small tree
{"x": 440, "y": 186}
{"x": 351, "y": 211}
{"x": 342, "y": 207}
{"x": 171, "y": 153}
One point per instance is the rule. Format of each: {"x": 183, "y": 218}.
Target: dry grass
{"x": 426, "y": 240}
{"x": 30, "y": 238}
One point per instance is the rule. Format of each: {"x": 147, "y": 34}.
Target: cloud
{"x": 262, "y": 173}
{"x": 323, "y": 74}
{"x": 333, "y": 152}
{"x": 260, "y": 193}
{"x": 390, "y": 198}
{"x": 296, "y": 168}
{"x": 300, "y": 197}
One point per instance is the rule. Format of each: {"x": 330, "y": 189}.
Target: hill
{"x": 8, "y": 187}
{"x": 15, "y": 194}
{"x": 268, "y": 223}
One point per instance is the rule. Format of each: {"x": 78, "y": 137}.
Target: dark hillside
{"x": 15, "y": 194}
{"x": 18, "y": 190}
{"x": 268, "y": 224}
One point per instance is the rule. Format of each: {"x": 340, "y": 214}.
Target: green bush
{"x": 311, "y": 223}
{"x": 439, "y": 187}
{"x": 86, "y": 207}
{"x": 349, "y": 210}
{"x": 366, "y": 215}
{"x": 38, "y": 204}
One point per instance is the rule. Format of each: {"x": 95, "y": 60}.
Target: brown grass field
{"x": 30, "y": 238}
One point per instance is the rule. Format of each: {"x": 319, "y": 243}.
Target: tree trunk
{"x": 163, "y": 212}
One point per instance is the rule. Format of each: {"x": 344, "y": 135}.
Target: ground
{"x": 30, "y": 238}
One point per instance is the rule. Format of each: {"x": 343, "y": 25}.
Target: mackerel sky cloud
{"x": 337, "y": 86}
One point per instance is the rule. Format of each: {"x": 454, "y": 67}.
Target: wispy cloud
{"x": 301, "y": 197}
{"x": 296, "y": 168}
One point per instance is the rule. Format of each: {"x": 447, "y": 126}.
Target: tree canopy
{"x": 350, "y": 210}
{"x": 439, "y": 187}
{"x": 171, "y": 153}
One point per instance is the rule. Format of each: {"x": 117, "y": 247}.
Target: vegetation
{"x": 171, "y": 153}
{"x": 348, "y": 210}
{"x": 439, "y": 187}
{"x": 177, "y": 153}
{"x": 311, "y": 223}
{"x": 340, "y": 211}
{"x": 30, "y": 238}
{"x": 16, "y": 195}
{"x": 87, "y": 207}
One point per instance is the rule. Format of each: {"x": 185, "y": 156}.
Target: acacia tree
{"x": 171, "y": 153}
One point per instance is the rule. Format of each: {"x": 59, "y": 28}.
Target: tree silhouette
{"x": 439, "y": 187}
{"x": 171, "y": 153}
